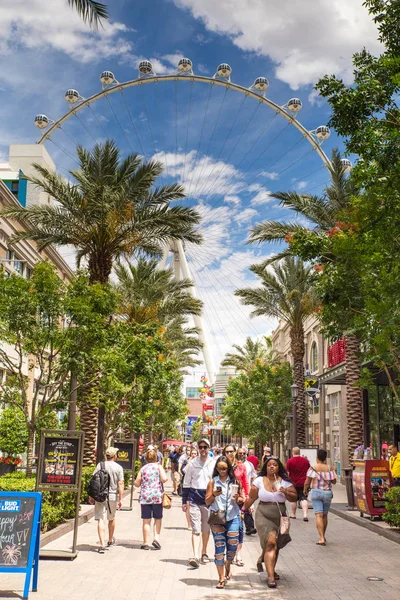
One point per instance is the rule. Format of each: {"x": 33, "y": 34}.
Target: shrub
{"x": 392, "y": 514}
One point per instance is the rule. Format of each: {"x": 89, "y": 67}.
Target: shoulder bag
{"x": 284, "y": 521}
{"x": 166, "y": 500}
{"x": 218, "y": 517}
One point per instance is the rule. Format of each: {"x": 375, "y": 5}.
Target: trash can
{"x": 348, "y": 476}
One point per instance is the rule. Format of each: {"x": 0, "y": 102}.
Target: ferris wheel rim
{"x": 119, "y": 87}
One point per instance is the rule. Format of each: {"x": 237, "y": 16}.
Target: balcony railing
{"x": 337, "y": 353}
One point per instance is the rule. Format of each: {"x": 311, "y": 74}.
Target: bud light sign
{"x": 10, "y": 506}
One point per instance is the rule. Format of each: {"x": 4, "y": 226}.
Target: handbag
{"x": 166, "y": 500}
{"x": 218, "y": 517}
{"x": 284, "y": 526}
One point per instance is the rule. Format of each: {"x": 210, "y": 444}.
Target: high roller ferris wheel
{"x": 217, "y": 174}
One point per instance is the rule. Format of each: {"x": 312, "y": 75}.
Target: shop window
{"x": 314, "y": 357}
{"x": 9, "y": 254}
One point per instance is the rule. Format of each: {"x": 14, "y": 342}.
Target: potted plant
{"x": 8, "y": 464}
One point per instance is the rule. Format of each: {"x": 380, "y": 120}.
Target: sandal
{"x": 321, "y": 543}
{"x": 260, "y": 568}
{"x": 271, "y": 583}
{"x": 239, "y": 562}
{"x": 221, "y": 584}
{"x": 194, "y": 562}
{"x": 276, "y": 576}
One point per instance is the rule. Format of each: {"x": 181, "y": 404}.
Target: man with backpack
{"x": 106, "y": 489}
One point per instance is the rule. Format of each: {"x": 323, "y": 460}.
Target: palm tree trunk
{"x": 298, "y": 349}
{"x": 30, "y": 450}
{"x": 88, "y": 413}
{"x": 354, "y": 405}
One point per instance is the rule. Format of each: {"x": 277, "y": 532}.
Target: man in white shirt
{"x": 251, "y": 475}
{"x": 197, "y": 475}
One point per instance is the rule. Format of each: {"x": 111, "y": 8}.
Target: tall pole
{"x": 72, "y": 403}
{"x": 198, "y": 319}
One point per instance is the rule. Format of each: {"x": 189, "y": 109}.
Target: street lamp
{"x": 294, "y": 390}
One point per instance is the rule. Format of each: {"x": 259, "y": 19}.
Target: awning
{"x": 334, "y": 376}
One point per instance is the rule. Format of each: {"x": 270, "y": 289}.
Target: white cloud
{"x": 235, "y": 200}
{"x": 304, "y": 39}
{"x": 262, "y": 197}
{"x": 44, "y": 24}
{"x": 301, "y": 185}
{"x": 244, "y": 216}
{"x": 273, "y": 176}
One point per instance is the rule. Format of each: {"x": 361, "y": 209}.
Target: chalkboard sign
{"x": 59, "y": 461}
{"x": 20, "y": 534}
{"x": 125, "y": 455}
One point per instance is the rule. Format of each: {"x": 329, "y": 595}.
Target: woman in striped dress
{"x": 320, "y": 479}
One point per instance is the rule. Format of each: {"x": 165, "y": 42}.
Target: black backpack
{"x": 99, "y": 484}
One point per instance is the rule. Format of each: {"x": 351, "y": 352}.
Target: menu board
{"x": 16, "y": 524}
{"x": 125, "y": 455}
{"x": 60, "y": 461}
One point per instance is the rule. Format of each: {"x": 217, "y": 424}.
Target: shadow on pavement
{"x": 10, "y": 594}
{"x": 87, "y": 548}
{"x": 178, "y": 561}
{"x": 177, "y": 528}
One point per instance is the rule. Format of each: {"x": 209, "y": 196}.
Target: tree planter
{"x": 6, "y": 468}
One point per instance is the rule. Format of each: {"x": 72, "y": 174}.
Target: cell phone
{"x": 218, "y": 488}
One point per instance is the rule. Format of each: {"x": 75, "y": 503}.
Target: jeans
{"x": 226, "y": 540}
{"x": 321, "y": 500}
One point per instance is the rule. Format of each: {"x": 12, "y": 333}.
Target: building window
{"x": 15, "y": 187}
{"x": 28, "y": 273}
{"x": 314, "y": 358}
{"x": 9, "y": 254}
{"x": 18, "y": 266}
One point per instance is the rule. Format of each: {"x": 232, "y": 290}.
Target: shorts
{"x": 321, "y": 500}
{"x": 176, "y": 476}
{"x": 152, "y": 510}
{"x": 300, "y": 494}
{"x": 199, "y": 518}
{"x": 101, "y": 508}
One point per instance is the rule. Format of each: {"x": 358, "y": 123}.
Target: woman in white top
{"x": 273, "y": 487}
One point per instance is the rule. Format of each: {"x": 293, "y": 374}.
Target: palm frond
{"x": 90, "y": 11}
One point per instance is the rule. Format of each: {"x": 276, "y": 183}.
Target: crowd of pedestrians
{"x": 220, "y": 488}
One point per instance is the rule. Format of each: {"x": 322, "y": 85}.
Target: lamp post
{"x": 294, "y": 389}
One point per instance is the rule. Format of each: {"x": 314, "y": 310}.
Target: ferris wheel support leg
{"x": 198, "y": 320}
{"x": 163, "y": 261}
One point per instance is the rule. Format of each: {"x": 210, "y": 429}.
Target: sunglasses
{"x": 203, "y": 447}
{"x": 229, "y": 452}
{"x": 222, "y": 468}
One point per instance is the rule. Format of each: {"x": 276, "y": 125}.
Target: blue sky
{"x": 208, "y": 140}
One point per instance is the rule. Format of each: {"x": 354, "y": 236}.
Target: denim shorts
{"x": 321, "y": 500}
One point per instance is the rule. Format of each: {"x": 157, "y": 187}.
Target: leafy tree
{"x": 13, "y": 431}
{"x": 245, "y": 356}
{"x": 259, "y": 400}
{"x": 287, "y": 293}
{"x": 110, "y": 211}
{"x": 44, "y": 349}
{"x": 90, "y": 11}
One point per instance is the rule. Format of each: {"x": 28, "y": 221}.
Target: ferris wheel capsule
{"x": 261, "y": 84}
{"x": 145, "y": 67}
{"x": 322, "y": 132}
{"x": 185, "y": 65}
{"x": 294, "y": 105}
{"x": 107, "y": 77}
{"x": 346, "y": 164}
{"x": 224, "y": 70}
{"x": 41, "y": 121}
{"x": 72, "y": 96}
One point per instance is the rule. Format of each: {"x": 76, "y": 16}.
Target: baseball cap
{"x": 111, "y": 451}
{"x": 205, "y": 440}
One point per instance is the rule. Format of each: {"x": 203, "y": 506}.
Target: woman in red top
{"x": 241, "y": 475}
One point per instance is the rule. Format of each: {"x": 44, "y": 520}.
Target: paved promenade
{"x": 125, "y": 572}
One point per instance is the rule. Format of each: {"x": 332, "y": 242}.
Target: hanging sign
{"x": 20, "y": 515}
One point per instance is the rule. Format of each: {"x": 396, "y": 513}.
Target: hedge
{"x": 57, "y": 507}
{"x": 392, "y": 514}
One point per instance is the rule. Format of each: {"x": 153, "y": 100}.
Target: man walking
{"x": 297, "y": 468}
{"x": 251, "y": 475}
{"x": 394, "y": 464}
{"x": 114, "y": 500}
{"x": 197, "y": 475}
{"x": 175, "y": 475}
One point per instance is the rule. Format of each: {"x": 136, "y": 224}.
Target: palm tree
{"x": 287, "y": 293}
{"x": 150, "y": 294}
{"x": 90, "y": 11}
{"x": 245, "y": 356}
{"x": 111, "y": 211}
{"x": 323, "y": 212}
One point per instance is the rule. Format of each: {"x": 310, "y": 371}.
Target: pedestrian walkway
{"x": 125, "y": 572}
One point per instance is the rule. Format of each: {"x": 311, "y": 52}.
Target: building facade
{"x": 326, "y": 423}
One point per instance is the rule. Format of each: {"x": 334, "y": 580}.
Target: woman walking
{"x": 273, "y": 487}
{"x": 150, "y": 479}
{"x": 320, "y": 479}
{"x": 182, "y": 468}
{"x": 241, "y": 475}
{"x": 222, "y": 497}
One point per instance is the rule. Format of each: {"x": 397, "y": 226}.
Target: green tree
{"x": 90, "y": 11}
{"x": 258, "y": 401}
{"x": 111, "y": 210}
{"x": 33, "y": 323}
{"x": 13, "y": 431}
{"x": 287, "y": 293}
{"x": 245, "y": 356}
{"x": 151, "y": 294}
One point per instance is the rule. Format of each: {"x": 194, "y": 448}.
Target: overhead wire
{"x": 97, "y": 120}
{"x": 196, "y": 156}
{"x": 86, "y": 128}
{"x": 119, "y": 123}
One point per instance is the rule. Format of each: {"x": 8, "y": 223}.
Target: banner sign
{"x": 20, "y": 514}
{"x": 125, "y": 454}
{"x": 60, "y": 460}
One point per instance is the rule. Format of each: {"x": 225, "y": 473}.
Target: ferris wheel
{"x": 212, "y": 135}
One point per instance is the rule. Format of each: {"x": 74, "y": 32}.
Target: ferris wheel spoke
{"x": 133, "y": 123}
{"x": 196, "y": 157}
{"x": 98, "y": 121}
{"x": 64, "y": 150}
{"x": 119, "y": 123}
{"x": 187, "y": 134}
